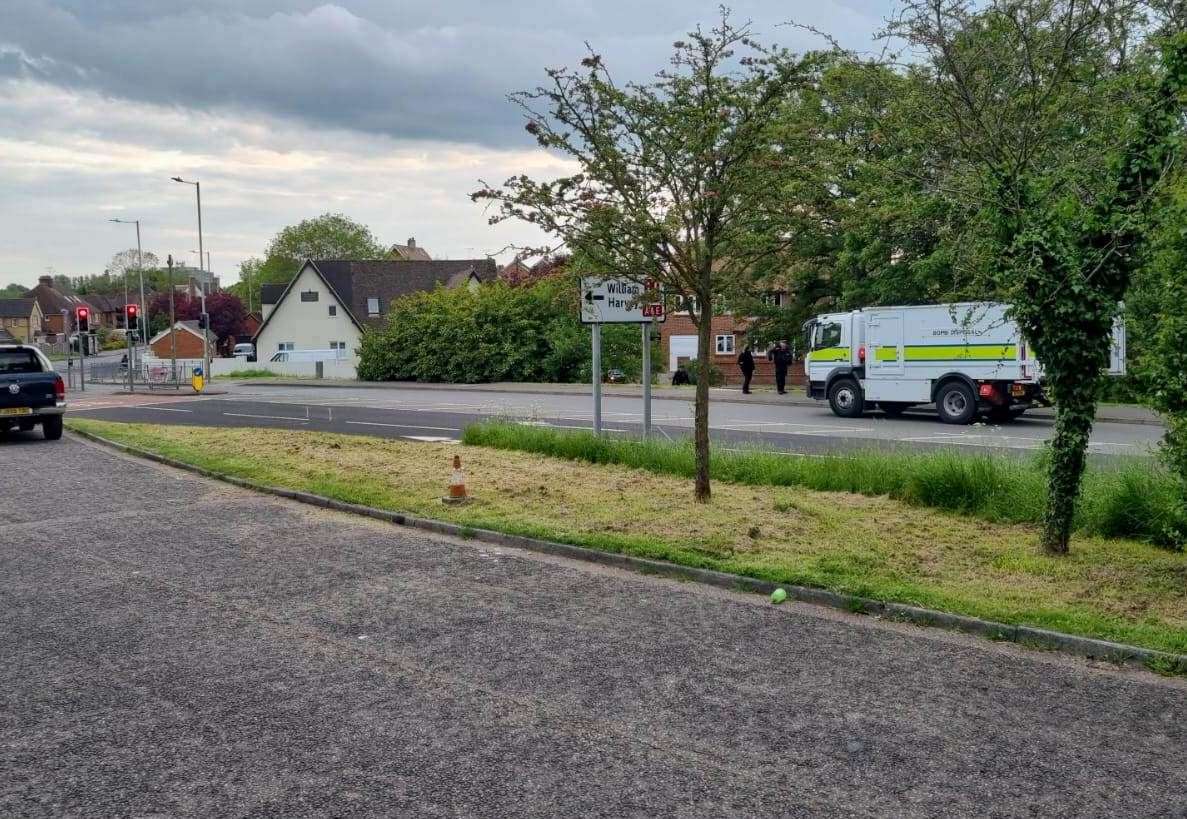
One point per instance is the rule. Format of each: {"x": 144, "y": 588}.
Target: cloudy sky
{"x": 385, "y": 110}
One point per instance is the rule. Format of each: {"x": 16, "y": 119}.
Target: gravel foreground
{"x": 175, "y": 647}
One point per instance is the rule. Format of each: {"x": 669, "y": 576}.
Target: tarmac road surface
{"x": 177, "y": 647}
{"x": 444, "y": 413}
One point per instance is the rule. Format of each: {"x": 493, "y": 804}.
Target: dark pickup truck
{"x": 31, "y": 393}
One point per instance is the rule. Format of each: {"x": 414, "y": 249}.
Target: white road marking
{"x": 269, "y": 417}
{"x": 432, "y": 439}
{"x": 401, "y": 426}
{"x": 160, "y": 409}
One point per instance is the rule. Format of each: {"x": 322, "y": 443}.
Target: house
{"x": 269, "y": 295}
{"x": 110, "y": 311}
{"x": 52, "y": 301}
{"x": 410, "y": 252}
{"x": 515, "y": 272}
{"x": 329, "y": 304}
{"x": 730, "y": 335}
{"x": 21, "y": 318}
{"x": 188, "y": 336}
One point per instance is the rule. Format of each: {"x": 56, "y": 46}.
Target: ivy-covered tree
{"x": 678, "y": 179}
{"x": 1060, "y": 121}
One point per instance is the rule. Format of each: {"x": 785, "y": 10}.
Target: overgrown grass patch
{"x": 866, "y": 545}
{"x": 1132, "y": 499}
{"x": 251, "y": 372}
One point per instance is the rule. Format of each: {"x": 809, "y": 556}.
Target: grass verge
{"x": 249, "y": 373}
{"x": 874, "y": 547}
{"x": 1134, "y": 499}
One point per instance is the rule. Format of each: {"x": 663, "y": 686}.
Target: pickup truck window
{"x": 19, "y": 361}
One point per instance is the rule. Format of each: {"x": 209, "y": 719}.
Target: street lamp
{"x": 140, "y": 269}
{"x": 205, "y": 331}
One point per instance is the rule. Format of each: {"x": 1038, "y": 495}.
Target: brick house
{"x": 678, "y": 345}
{"x": 189, "y": 341}
{"x": 52, "y": 301}
{"x": 21, "y": 318}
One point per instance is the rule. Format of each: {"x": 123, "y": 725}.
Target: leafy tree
{"x": 501, "y": 332}
{"x": 130, "y": 260}
{"x": 1058, "y": 120}
{"x": 678, "y": 179}
{"x": 13, "y": 291}
{"x": 226, "y": 312}
{"x": 329, "y": 236}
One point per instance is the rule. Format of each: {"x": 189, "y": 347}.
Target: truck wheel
{"x": 956, "y": 403}
{"x": 51, "y": 427}
{"x": 845, "y": 398}
{"x": 892, "y": 409}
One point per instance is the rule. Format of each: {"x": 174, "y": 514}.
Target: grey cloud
{"x": 437, "y": 71}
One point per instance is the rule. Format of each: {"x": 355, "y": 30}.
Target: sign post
{"x": 620, "y": 301}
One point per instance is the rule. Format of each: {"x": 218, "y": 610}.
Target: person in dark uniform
{"x": 781, "y": 356}
{"x": 746, "y": 365}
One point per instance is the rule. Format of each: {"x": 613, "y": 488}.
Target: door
{"x": 884, "y": 346}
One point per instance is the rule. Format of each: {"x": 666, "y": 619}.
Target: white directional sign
{"x": 619, "y": 301}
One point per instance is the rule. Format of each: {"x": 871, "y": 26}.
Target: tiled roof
{"x": 16, "y": 308}
{"x": 271, "y": 293}
{"x": 357, "y": 281}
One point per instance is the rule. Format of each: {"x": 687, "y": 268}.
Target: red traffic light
{"x": 133, "y": 311}
{"x": 83, "y": 313}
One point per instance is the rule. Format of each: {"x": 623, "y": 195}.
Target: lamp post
{"x": 140, "y": 269}
{"x": 205, "y": 330}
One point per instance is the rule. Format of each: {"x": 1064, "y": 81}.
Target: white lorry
{"x": 967, "y": 359}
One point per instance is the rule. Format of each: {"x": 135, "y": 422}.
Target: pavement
{"x": 179, "y": 647}
{"x": 442, "y": 413}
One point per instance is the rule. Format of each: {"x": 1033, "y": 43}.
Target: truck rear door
{"x": 884, "y": 345}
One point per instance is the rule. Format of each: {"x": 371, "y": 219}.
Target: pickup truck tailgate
{"x": 22, "y": 381}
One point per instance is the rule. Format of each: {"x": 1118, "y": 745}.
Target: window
{"x": 309, "y": 295}
{"x": 775, "y": 298}
{"x": 339, "y": 347}
{"x": 827, "y": 335}
{"x": 333, "y": 309}
{"x": 19, "y": 361}
{"x": 286, "y": 345}
{"x": 372, "y": 306}
{"x": 725, "y": 345}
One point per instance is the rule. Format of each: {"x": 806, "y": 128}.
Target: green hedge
{"x": 495, "y": 333}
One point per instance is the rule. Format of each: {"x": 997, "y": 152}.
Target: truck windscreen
{"x": 826, "y": 335}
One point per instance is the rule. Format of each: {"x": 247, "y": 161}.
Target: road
{"x": 443, "y": 413}
{"x": 177, "y": 647}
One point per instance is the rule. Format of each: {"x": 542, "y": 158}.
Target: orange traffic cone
{"x": 457, "y": 483}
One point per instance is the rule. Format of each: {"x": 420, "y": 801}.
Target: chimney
{"x": 48, "y": 281}
{"x": 411, "y": 242}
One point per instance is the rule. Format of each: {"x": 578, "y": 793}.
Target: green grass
{"x": 251, "y": 373}
{"x": 1134, "y": 499}
{"x": 867, "y": 546}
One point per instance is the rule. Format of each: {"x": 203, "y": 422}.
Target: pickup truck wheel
{"x": 956, "y": 403}
{"x": 51, "y": 427}
{"x": 845, "y": 398}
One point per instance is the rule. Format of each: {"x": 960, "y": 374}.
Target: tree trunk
{"x": 700, "y": 434}
{"x": 1075, "y": 413}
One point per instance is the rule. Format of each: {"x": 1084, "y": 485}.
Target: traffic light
{"x": 82, "y": 319}
{"x": 131, "y": 316}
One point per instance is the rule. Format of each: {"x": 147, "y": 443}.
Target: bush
{"x": 1134, "y": 500}
{"x": 495, "y": 333}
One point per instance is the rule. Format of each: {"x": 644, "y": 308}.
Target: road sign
{"x": 618, "y": 301}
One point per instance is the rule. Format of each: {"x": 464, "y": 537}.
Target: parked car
{"x": 31, "y": 393}
{"x": 245, "y": 349}
{"x": 615, "y": 376}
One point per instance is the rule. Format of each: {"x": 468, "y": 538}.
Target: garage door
{"x": 681, "y": 347}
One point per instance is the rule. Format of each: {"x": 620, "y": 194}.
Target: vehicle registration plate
{"x": 16, "y": 410}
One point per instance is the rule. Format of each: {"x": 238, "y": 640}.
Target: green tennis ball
{"x": 778, "y": 596}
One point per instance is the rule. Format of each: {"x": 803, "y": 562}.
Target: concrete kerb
{"x": 1103, "y": 414}
{"x": 1028, "y": 636}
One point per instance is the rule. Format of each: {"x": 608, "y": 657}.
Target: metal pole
{"x": 69, "y": 358}
{"x": 131, "y": 388}
{"x": 143, "y": 307}
{"x": 646, "y": 379}
{"x": 201, "y": 258}
{"x": 596, "y": 335}
{"x": 172, "y": 321}
{"x": 82, "y": 356}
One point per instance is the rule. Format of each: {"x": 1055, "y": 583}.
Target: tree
{"x": 129, "y": 260}
{"x": 226, "y": 312}
{"x": 1057, "y": 119}
{"x": 679, "y": 178}
{"x": 14, "y": 291}
{"x": 329, "y": 236}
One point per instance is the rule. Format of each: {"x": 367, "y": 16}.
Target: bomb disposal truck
{"x": 967, "y": 359}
